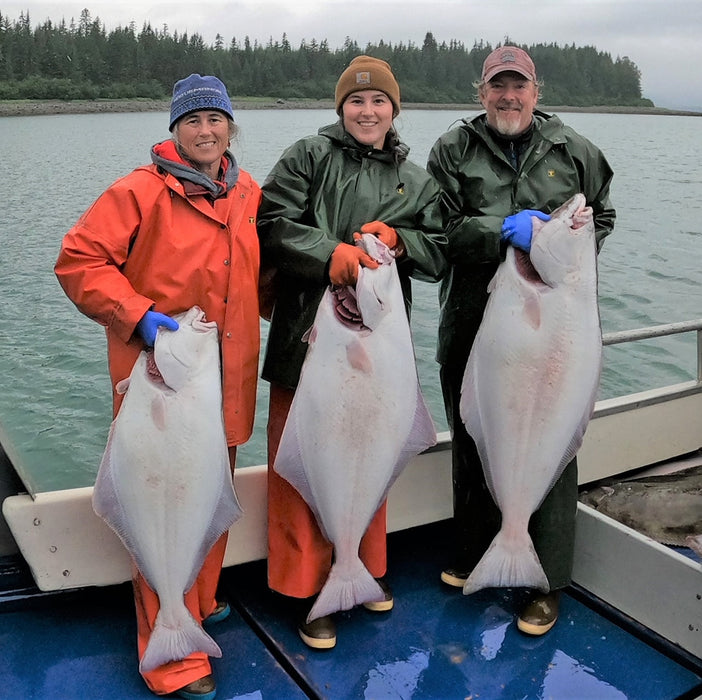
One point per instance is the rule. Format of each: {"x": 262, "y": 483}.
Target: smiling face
{"x": 509, "y": 100}
{"x": 202, "y": 138}
{"x": 367, "y": 116}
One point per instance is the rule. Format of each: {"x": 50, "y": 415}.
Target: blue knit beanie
{"x": 198, "y": 92}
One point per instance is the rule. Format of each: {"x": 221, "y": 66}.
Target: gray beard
{"x": 507, "y": 127}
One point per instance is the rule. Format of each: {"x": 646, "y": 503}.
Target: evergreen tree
{"x": 81, "y": 60}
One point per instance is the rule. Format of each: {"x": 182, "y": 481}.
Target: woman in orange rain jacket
{"x": 177, "y": 233}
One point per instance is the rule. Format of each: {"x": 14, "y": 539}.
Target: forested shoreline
{"x": 69, "y": 60}
{"x": 24, "y": 108}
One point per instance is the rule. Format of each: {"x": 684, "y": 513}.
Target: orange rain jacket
{"x": 145, "y": 244}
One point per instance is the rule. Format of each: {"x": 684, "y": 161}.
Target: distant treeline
{"x": 84, "y": 61}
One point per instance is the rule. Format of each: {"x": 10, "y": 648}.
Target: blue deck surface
{"x": 84, "y": 647}
{"x": 436, "y": 643}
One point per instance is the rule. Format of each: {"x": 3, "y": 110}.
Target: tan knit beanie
{"x": 367, "y": 73}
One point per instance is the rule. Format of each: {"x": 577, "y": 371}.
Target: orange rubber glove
{"x": 343, "y": 267}
{"x": 385, "y": 233}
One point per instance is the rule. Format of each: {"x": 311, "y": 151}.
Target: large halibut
{"x": 164, "y": 483}
{"x": 357, "y": 417}
{"x": 530, "y": 382}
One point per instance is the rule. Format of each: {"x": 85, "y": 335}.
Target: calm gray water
{"x": 54, "y": 392}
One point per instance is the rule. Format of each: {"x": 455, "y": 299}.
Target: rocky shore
{"x": 23, "y": 108}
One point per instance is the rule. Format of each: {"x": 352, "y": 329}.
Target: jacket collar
{"x": 394, "y": 151}
{"x": 166, "y": 156}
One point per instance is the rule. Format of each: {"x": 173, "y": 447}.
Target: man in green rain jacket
{"x": 497, "y": 171}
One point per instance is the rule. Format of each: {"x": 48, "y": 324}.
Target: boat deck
{"x": 436, "y": 643}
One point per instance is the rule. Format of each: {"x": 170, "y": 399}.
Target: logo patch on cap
{"x": 508, "y": 57}
{"x": 363, "y": 77}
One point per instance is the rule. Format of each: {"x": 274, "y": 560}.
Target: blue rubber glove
{"x": 150, "y": 322}
{"x": 517, "y": 229}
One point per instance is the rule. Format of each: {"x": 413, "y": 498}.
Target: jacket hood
{"x": 393, "y": 150}
{"x": 166, "y": 156}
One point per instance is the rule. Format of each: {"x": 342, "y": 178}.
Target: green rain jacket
{"x": 481, "y": 188}
{"x": 321, "y": 191}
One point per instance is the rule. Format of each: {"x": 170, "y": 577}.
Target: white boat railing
{"x": 68, "y": 546}
{"x": 632, "y": 431}
{"x": 653, "y": 395}
{"x": 658, "y": 332}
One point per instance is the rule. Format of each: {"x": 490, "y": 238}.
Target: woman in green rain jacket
{"x": 321, "y": 191}
{"x": 352, "y": 177}
{"x": 497, "y": 171}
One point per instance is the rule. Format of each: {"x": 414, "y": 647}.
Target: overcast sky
{"x": 662, "y": 37}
